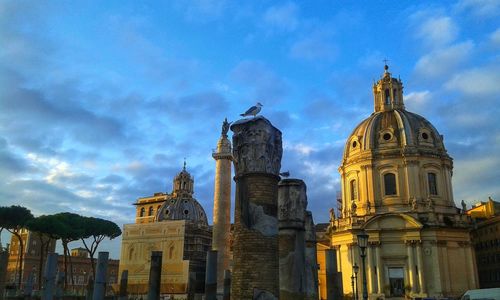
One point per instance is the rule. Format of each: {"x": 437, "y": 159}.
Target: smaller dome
{"x": 182, "y": 209}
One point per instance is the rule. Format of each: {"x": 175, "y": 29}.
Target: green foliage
{"x": 14, "y": 217}
{"x": 45, "y": 224}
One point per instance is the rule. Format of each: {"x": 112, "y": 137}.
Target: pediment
{"x": 392, "y": 221}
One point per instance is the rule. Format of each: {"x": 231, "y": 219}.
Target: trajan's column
{"x": 222, "y": 205}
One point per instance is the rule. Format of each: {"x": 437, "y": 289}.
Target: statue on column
{"x": 464, "y": 207}
{"x": 225, "y": 127}
{"x": 332, "y": 215}
{"x": 414, "y": 204}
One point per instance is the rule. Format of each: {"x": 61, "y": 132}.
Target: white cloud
{"x": 478, "y": 81}
{"x": 300, "y": 148}
{"x": 436, "y": 31}
{"x": 495, "y": 38}
{"x": 442, "y": 61}
{"x": 314, "y": 47}
{"x": 282, "y": 17}
{"x": 480, "y": 8}
{"x": 416, "y": 101}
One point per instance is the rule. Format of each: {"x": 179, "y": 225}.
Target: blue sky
{"x": 101, "y": 101}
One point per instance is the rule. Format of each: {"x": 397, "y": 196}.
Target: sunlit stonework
{"x": 396, "y": 185}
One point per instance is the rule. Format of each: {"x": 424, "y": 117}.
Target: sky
{"x": 100, "y": 102}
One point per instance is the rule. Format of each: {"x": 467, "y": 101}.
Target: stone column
{"x": 49, "y": 277}
{"x": 227, "y": 285}
{"x": 100, "y": 276}
{"x": 211, "y": 276}
{"x": 443, "y": 249}
{"x": 421, "y": 279}
{"x": 437, "y": 275}
{"x": 292, "y": 202}
{"x": 123, "y": 285}
{"x": 4, "y": 257}
{"x": 370, "y": 269}
{"x": 470, "y": 258}
{"x": 154, "y": 276}
{"x": 380, "y": 270}
{"x": 222, "y": 205}
{"x": 311, "y": 273}
{"x": 411, "y": 266}
{"x": 333, "y": 288}
{"x": 257, "y": 160}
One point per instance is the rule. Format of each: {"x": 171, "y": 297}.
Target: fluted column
{"x": 380, "y": 270}
{"x": 370, "y": 268}
{"x": 421, "y": 279}
{"x": 411, "y": 266}
{"x": 222, "y": 205}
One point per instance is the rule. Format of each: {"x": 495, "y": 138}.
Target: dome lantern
{"x": 183, "y": 183}
{"x": 388, "y": 92}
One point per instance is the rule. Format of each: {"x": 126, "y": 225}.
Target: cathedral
{"x": 176, "y": 224}
{"x": 396, "y": 187}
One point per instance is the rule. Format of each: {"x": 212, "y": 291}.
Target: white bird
{"x": 252, "y": 111}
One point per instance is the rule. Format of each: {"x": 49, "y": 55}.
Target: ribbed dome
{"x": 182, "y": 209}
{"x": 394, "y": 129}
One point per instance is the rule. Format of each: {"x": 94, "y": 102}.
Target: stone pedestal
{"x": 257, "y": 160}
{"x": 155, "y": 275}
{"x": 221, "y": 229}
{"x": 100, "y": 276}
{"x": 311, "y": 271}
{"x": 292, "y": 202}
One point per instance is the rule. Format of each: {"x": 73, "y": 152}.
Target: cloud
{"x": 282, "y": 17}
{"x": 267, "y": 86}
{"x": 477, "y": 82}
{"x": 417, "y": 101}
{"x": 480, "y": 8}
{"x": 495, "y": 38}
{"x": 435, "y": 31}
{"x": 314, "y": 47}
{"x": 441, "y": 62}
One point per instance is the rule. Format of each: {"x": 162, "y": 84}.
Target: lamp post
{"x": 355, "y": 269}
{"x": 363, "y": 244}
{"x": 352, "y": 285}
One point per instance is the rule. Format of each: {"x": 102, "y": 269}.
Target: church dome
{"x": 180, "y": 205}
{"x": 392, "y": 127}
{"x": 182, "y": 209}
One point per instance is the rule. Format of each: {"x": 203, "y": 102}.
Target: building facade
{"x": 396, "y": 187}
{"x": 486, "y": 240}
{"x": 175, "y": 224}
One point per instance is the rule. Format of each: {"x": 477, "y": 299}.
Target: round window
{"x": 186, "y": 211}
{"x": 167, "y": 212}
{"x": 425, "y": 135}
{"x": 172, "y": 201}
{"x": 354, "y": 144}
{"x": 387, "y": 136}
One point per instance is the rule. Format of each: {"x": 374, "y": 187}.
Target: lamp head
{"x": 363, "y": 240}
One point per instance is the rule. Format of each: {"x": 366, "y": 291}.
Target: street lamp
{"x": 363, "y": 244}
{"x": 355, "y": 269}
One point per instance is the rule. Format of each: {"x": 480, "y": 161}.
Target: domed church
{"x": 396, "y": 187}
{"x": 176, "y": 224}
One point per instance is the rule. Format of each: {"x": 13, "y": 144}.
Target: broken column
{"x": 155, "y": 276}
{"x": 292, "y": 203}
{"x": 333, "y": 278}
{"x": 257, "y": 151}
{"x": 49, "y": 277}
{"x": 211, "y": 276}
{"x": 100, "y": 276}
{"x": 123, "y": 285}
{"x": 311, "y": 273}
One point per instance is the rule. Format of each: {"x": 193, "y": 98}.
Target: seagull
{"x": 252, "y": 111}
{"x": 285, "y": 174}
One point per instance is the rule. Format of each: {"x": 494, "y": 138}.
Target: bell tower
{"x": 388, "y": 92}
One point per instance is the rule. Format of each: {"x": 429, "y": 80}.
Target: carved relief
{"x": 257, "y": 146}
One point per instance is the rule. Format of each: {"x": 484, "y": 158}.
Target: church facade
{"x": 175, "y": 224}
{"x": 396, "y": 187}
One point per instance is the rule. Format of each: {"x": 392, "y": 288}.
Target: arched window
{"x": 150, "y": 212}
{"x": 387, "y": 96}
{"x": 390, "y": 184}
{"x": 431, "y": 181}
{"x": 143, "y": 211}
{"x": 354, "y": 190}
{"x": 184, "y": 185}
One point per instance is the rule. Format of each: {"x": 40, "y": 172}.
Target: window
{"x": 431, "y": 180}
{"x": 387, "y": 96}
{"x": 143, "y": 211}
{"x": 150, "y": 212}
{"x": 394, "y": 93}
{"x": 390, "y": 184}
{"x": 354, "y": 191}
